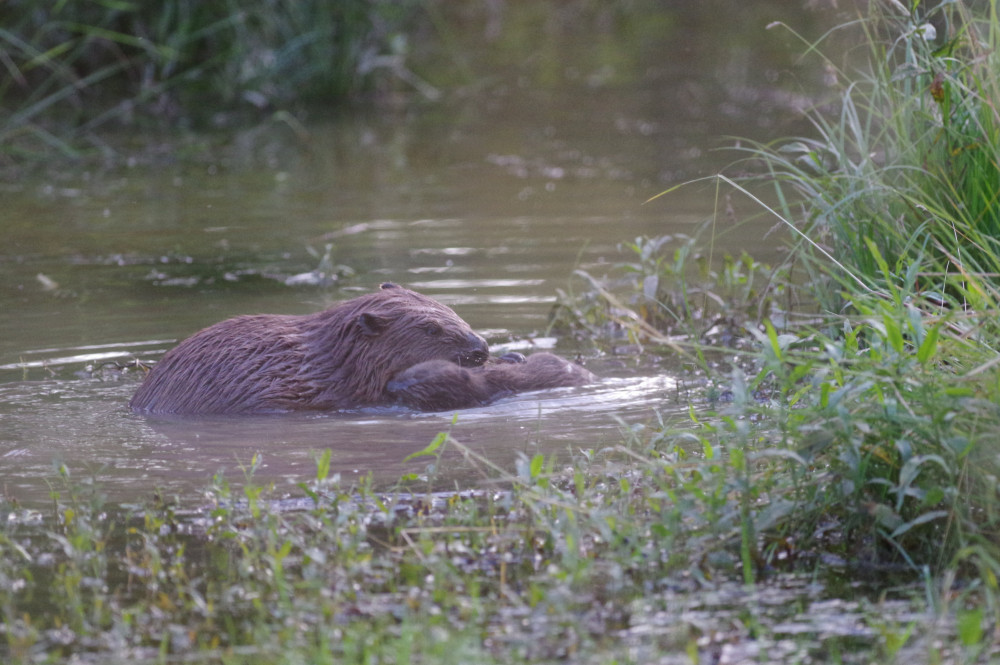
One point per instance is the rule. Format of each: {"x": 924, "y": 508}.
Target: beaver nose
{"x": 477, "y": 352}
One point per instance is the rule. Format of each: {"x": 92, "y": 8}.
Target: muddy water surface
{"x": 486, "y": 199}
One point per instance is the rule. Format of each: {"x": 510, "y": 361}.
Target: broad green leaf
{"x": 929, "y": 345}
{"x": 536, "y": 465}
{"x": 922, "y": 519}
{"x": 323, "y": 465}
{"x": 970, "y": 626}
{"x": 431, "y": 447}
{"x": 893, "y": 332}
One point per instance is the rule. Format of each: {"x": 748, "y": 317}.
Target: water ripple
{"x": 85, "y": 425}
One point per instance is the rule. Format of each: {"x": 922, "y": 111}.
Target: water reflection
{"x": 52, "y": 358}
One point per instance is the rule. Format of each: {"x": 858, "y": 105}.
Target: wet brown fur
{"x": 340, "y": 358}
{"x": 440, "y": 385}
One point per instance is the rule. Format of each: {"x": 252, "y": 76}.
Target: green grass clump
{"x": 864, "y": 401}
{"x": 901, "y": 186}
{"x": 668, "y": 290}
{"x": 870, "y": 428}
{"x": 910, "y": 158}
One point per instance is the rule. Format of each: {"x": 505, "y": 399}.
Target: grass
{"x": 586, "y": 562}
{"x": 901, "y": 186}
{"x": 911, "y": 158}
{"x": 875, "y": 374}
{"x": 72, "y": 68}
{"x": 871, "y": 420}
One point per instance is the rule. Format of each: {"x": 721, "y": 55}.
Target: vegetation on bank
{"x": 897, "y": 387}
{"x": 624, "y": 555}
{"x": 71, "y": 68}
{"x": 873, "y": 373}
{"x": 852, "y": 436}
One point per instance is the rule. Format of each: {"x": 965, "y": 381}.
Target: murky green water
{"x": 487, "y": 199}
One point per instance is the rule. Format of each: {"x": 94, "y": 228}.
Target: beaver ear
{"x": 372, "y": 324}
{"x": 388, "y": 285}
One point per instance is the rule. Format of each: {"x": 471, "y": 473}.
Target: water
{"x": 487, "y": 201}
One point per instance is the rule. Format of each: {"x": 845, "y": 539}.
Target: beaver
{"x": 340, "y": 358}
{"x": 440, "y": 385}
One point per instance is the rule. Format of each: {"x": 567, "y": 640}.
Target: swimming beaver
{"x": 339, "y": 358}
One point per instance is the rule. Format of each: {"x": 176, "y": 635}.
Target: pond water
{"x": 487, "y": 199}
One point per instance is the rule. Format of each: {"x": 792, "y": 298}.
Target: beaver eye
{"x": 433, "y": 329}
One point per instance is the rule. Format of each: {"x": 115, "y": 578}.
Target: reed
{"x": 910, "y": 159}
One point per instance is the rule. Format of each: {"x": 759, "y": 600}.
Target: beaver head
{"x": 368, "y": 340}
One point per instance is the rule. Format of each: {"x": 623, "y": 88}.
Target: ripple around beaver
{"x": 611, "y": 395}
{"x": 84, "y": 423}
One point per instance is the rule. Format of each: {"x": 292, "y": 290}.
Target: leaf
{"x": 323, "y": 465}
{"x": 934, "y": 496}
{"x": 781, "y": 453}
{"x": 970, "y": 626}
{"x": 911, "y": 469}
{"x": 431, "y": 447}
{"x": 536, "y": 465}
{"x": 893, "y": 332}
{"x": 737, "y": 459}
{"x": 284, "y": 551}
{"x": 929, "y": 345}
{"x": 708, "y": 449}
{"x": 922, "y": 519}
{"x": 885, "y": 516}
{"x": 775, "y": 513}
{"x": 659, "y": 530}
{"x": 314, "y": 496}
{"x": 772, "y": 337}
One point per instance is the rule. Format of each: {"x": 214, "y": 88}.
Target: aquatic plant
{"x": 901, "y": 186}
